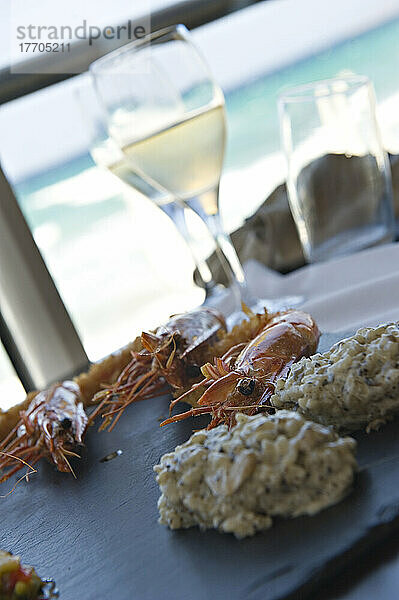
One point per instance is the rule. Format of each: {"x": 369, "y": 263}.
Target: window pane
{"x": 11, "y": 390}
{"x": 117, "y": 260}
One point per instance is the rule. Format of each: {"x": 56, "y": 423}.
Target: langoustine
{"x": 53, "y": 426}
{"x": 243, "y": 379}
{"x": 53, "y": 422}
{"x": 89, "y": 382}
{"x": 175, "y": 352}
{"x": 170, "y": 359}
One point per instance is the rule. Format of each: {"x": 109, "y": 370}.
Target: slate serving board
{"x": 98, "y": 536}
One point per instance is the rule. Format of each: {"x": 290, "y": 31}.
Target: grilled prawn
{"x": 243, "y": 379}
{"x": 52, "y": 423}
{"x": 53, "y": 426}
{"x": 171, "y": 358}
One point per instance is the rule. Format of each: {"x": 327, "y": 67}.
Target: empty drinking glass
{"x": 339, "y": 180}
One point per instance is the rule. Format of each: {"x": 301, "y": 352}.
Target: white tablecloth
{"x": 350, "y": 292}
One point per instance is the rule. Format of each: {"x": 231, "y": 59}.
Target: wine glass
{"x": 106, "y": 153}
{"x": 167, "y": 114}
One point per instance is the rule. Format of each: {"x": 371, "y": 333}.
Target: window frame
{"x": 192, "y": 13}
{"x": 38, "y": 334}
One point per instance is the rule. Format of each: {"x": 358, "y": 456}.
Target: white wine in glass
{"x": 185, "y": 158}
{"x": 106, "y": 153}
{"x": 166, "y": 113}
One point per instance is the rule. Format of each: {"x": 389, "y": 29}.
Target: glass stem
{"x": 175, "y": 211}
{"x": 206, "y": 206}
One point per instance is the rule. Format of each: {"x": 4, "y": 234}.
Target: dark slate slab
{"x": 98, "y": 536}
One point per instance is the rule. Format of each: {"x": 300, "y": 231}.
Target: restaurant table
{"x": 372, "y": 577}
{"x": 98, "y": 535}
{"x": 351, "y": 292}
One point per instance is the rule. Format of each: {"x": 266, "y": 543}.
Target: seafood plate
{"x": 100, "y": 532}
{"x": 352, "y": 386}
{"x": 271, "y": 449}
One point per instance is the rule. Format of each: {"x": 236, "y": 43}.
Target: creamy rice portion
{"x": 267, "y": 465}
{"x": 354, "y": 385}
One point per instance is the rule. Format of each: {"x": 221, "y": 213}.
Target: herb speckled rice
{"x": 352, "y": 386}
{"x": 267, "y": 465}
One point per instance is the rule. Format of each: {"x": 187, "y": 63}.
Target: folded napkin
{"x": 270, "y": 236}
